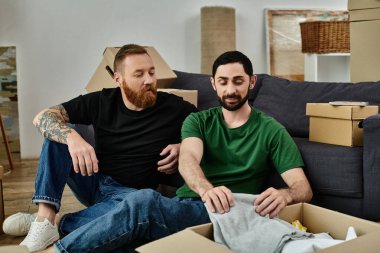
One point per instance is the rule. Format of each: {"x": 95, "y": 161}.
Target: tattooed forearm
{"x": 52, "y": 124}
{"x": 62, "y": 112}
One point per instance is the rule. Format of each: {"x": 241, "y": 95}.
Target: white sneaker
{"x": 18, "y": 224}
{"x": 41, "y": 235}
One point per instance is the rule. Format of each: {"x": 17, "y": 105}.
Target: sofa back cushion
{"x": 189, "y": 81}
{"x": 286, "y": 100}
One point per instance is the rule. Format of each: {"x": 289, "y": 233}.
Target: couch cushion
{"x": 286, "y": 100}
{"x": 331, "y": 169}
{"x": 189, "y": 81}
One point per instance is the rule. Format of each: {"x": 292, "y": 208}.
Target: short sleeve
{"x": 191, "y": 127}
{"x": 82, "y": 109}
{"x": 285, "y": 153}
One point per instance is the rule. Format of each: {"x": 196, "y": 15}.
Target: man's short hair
{"x": 124, "y": 51}
{"x": 233, "y": 57}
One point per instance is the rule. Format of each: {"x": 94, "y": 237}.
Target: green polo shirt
{"x": 240, "y": 158}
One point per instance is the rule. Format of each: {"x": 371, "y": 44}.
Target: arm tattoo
{"x": 52, "y": 124}
{"x": 62, "y": 111}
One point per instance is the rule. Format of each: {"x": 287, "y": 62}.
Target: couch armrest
{"x": 371, "y": 167}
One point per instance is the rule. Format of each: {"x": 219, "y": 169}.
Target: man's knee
{"x": 147, "y": 195}
{"x": 144, "y": 198}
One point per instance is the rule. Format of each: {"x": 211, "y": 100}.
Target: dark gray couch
{"x": 344, "y": 179}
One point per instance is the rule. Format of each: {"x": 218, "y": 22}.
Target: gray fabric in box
{"x": 278, "y": 97}
{"x": 341, "y": 167}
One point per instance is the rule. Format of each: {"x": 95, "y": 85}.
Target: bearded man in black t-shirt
{"x": 137, "y": 136}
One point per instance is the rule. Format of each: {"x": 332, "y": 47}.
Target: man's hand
{"x": 218, "y": 199}
{"x": 169, "y": 164}
{"x": 82, "y": 154}
{"x": 272, "y": 201}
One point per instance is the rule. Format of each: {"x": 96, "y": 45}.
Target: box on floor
{"x": 337, "y": 124}
{"x": 103, "y": 76}
{"x": 364, "y": 39}
{"x": 13, "y": 249}
{"x": 316, "y": 219}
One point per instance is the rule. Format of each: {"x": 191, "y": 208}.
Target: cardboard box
{"x": 364, "y": 39}
{"x": 103, "y": 76}
{"x": 187, "y": 95}
{"x": 363, "y": 4}
{"x": 337, "y": 124}
{"x": 13, "y": 249}
{"x": 317, "y": 219}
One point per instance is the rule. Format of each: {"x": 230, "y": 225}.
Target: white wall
{"x": 60, "y": 43}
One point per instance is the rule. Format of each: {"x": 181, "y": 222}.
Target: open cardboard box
{"x": 198, "y": 239}
{"x": 103, "y": 76}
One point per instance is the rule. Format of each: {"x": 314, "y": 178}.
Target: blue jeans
{"x": 118, "y": 218}
{"x": 54, "y": 171}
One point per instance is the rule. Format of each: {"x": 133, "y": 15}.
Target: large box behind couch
{"x": 317, "y": 219}
{"x": 103, "y": 76}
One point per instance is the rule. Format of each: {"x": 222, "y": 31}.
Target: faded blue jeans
{"x": 118, "y": 218}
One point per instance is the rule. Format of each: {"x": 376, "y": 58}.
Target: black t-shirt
{"x": 128, "y": 143}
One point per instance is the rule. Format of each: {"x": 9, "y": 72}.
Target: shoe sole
{"x": 46, "y": 244}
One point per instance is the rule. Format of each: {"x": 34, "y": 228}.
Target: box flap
{"x": 103, "y": 76}
{"x": 317, "y": 219}
{"x": 369, "y": 243}
{"x": 326, "y": 110}
{"x": 185, "y": 241}
{"x": 205, "y": 230}
{"x": 363, "y": 4}
{"x": 364, "y": 15}
{"x": 292, "y": 213}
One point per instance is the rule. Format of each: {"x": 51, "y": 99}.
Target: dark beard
{"x": 225, "y": 105}
{"x": 141, "y": 99}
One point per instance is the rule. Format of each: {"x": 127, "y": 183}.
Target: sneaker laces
{"x": 35, "y": 230}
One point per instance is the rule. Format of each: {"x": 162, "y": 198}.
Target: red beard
{"x": 144, "y": 98}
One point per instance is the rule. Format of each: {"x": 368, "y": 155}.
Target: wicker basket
{"x": 325, "y": 37}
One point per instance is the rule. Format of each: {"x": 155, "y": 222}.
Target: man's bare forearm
{"x": 193, "y": 175}
{"x": 52, "y": 124}
{"x": 298, "y": 192}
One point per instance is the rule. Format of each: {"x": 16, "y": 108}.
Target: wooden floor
{"x": 18, "y": 188}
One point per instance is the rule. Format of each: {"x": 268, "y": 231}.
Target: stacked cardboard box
{"x": 103, "y": 76}
{"x": 364, "y": 39}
